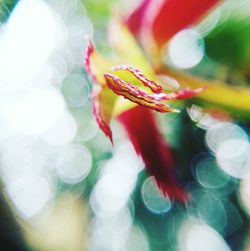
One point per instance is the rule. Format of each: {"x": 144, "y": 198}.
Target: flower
{"x": 112, "y": 79}
{"x": 119, "y": 88}
{"x": 129, "y": 86}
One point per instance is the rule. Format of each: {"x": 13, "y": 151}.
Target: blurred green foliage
{"x": 99, "y": 13}
{"x": 228, "y": 43}
{"x": 6, "y": 7}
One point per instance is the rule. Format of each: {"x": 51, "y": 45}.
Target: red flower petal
{"x": 88, "y": 55}
{"x": 97, "y": 111}
{"x": 142, "y": 129}
{"x": 175, "y": 15}
{"x": 164, "y": 18}
{"x": 134, "y": 21}
{"x": 103, "y": 98}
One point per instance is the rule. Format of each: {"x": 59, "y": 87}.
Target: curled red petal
{"x": 88, "y": 54}
{"x": 133, "y": 94}
{"x": 103, "y": 98}
{"x": 143, "y": 132}
{"x": 154, "y": 87}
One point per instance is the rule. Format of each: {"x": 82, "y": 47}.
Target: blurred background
{"x": 62, "y": 184}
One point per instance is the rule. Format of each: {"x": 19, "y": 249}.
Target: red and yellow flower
{"x": 129, "y": 87}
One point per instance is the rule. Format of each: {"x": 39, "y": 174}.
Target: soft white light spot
{"x": 153, "y": 199}
{"x": 204, "y": 120}
{"x": 62, "y": 133}
{"x": 136, "y": 240}
{"x": 80, "y": 29}
{"x": 64, "y": 8}
{"x": 32, "y": 112}
{"x": 75, "y": 89}
{"x": 74, "y": 164}
{"x": 20, "y": 160}
{"x": 244, "y": 195}
{"x": 60, "y": 67}
{"x": 196, "y": 236}
{"x": 27, "y": 40}
{"x": 110, "y": 194}
{"x": 208, "y": 173}
{"x": 126, "y": 149}
{"x": 30, "y": 194}
{"x": 233, "y": 157}
{"x": 117, "y": 181}
{"x": 5, "y": 131}
{"x": 222, "y": 132}
{"x": 110, "y": 233}
{"x": 186, "y": 49}
{"x": 42, "y": 79}
{"x": 87, "y": 130}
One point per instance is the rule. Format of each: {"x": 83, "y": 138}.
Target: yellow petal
{"x": 127, "y": 49}
{"x": 217, "y": 92}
